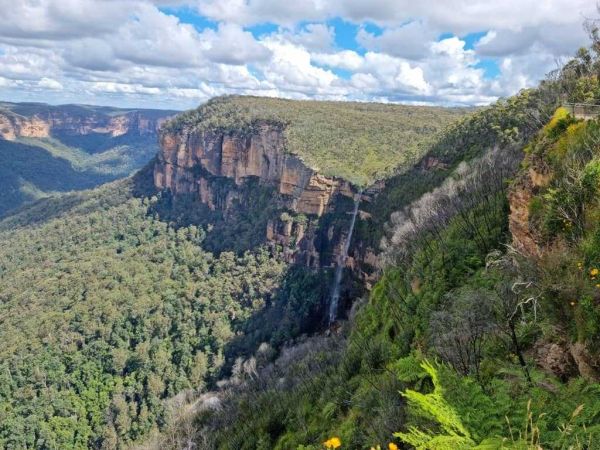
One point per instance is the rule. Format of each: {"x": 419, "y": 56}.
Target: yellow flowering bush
{"x": 334, "y": 442}
{"x": 391, "y": 446}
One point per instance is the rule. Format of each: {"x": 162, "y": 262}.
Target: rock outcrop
{"x": 189, "y": 161}
{"x": 523, "y": 190}
{"x": 555, "y": 358}
{"x": 215, "y": 168}
{"x": 48, "y": 122}
{"x": 518, "y": 221}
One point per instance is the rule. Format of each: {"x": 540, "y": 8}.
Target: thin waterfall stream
{"x": 341, "y": 263}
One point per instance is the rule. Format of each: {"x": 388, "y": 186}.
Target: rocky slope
{"x": 528, "y": 183}
{"x": 215, "y": 168}
{"x": 553, "y": 229}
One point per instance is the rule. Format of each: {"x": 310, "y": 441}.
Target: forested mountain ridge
{"x": 188, "y": 306}
{"x": 284, "y": 172}
{"x": 358, "y": 142}
{"x": 119, "y": 304}
{"x": 46, "y": 148}
{"x": 482, "y": 331}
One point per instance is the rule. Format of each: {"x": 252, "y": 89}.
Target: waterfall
{"x": 341, "y": 263}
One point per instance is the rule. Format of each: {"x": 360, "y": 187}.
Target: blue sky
{"x": 345, "y": 34}
{"x": 178, "y": 53}
{"x": 186, "y": 14}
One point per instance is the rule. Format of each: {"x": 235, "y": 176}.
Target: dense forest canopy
{"x": 105, "y": 312}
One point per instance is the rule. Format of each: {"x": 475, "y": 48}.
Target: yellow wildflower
{"x": 334, "y": 442}
{"x": 392, "y": 446}
{"x": 598, "y": 285}
{"x": 594, "y": 272}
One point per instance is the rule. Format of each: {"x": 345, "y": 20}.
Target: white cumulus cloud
{"x": 143, "y": 53}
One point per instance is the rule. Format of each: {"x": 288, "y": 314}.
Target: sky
{"x": 179, "y": 53}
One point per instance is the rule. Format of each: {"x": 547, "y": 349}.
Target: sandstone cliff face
{"x": 44, "y": 125}
{"x": 518, "y": 220}
{"x": 190, "y": 160}
{"x": 214, "y": 168}
{"x": 524, "y": 239}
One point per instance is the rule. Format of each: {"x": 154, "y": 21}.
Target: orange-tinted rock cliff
{"x": 46, "y": 123}
{"x": 215, "y": 168}
{"x": 523, "y": 190}
{"x": 188, "y": 161}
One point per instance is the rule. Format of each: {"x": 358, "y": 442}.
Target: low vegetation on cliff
{"x": 359, "y": 142}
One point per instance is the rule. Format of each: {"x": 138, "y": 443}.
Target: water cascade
{"x": 341, "y": 263}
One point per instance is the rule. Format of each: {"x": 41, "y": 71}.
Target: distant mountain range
{"x": 46, "y": 149}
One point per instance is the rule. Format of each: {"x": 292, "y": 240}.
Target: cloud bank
{"x": 177, "y": 53}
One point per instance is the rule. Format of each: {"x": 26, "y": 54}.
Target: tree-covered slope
{"x": 105, "y": 312}
{"x": 111, "y": 306}
{"x": 467, "y": 341}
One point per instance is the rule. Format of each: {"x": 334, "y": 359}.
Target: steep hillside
{"x": 482, "y": 331}
{"x": 119, "y": 304}
{"x": 46, "y": 149}
{"x": 284, "y": 172}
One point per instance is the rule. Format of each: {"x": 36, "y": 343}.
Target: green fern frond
{"x": 434, "y": 406}
{"x": 409, "y": 369}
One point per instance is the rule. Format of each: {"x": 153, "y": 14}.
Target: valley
{"x": 225, "y": 243}
{"x": 48, "y": 149}
{"x": 301, "y": 274}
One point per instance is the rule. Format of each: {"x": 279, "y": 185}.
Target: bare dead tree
{"x": 460, "y": 330}
{"x": 471, "y": 184}
{"x": 517, "y": 296}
